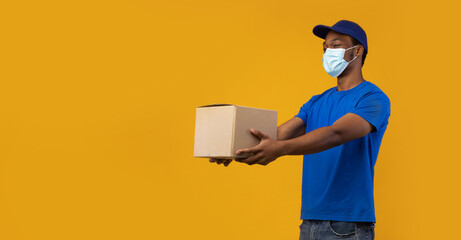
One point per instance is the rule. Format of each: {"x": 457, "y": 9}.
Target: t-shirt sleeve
{"x": 304, "y": 110}
{"x": 374, "y": 108}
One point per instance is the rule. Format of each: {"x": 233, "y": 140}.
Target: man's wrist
{"x": 282, "y": 148}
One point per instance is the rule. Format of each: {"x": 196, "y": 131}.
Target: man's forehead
{"x": 335, "y": 36}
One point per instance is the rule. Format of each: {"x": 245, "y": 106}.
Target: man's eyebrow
{"x": 333, "y": 40}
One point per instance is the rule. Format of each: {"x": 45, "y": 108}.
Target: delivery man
{"x": 339, "y": 132}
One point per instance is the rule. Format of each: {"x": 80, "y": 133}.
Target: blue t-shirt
{"x": 338, "y": 183}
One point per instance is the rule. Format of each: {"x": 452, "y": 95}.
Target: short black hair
{"x": 355, "y": 42}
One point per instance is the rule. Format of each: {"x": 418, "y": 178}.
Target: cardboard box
{"x": 222, "y": 129}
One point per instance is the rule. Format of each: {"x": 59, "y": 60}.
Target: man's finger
{"x": 217, "y": 160}
{"x": 227, "y": 162}
{"x": 245, "y": 160}
{"x": 255, "y": 159}
{"x": 247, "y": 151}
{"x": 258, "y": 133}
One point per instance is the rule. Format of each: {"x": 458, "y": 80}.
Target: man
{"x": 339, "y": 132}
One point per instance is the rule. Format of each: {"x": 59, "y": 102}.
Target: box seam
{"x": 233, "y": 132}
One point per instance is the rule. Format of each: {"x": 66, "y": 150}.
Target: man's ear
{"x": 359, "y": 51}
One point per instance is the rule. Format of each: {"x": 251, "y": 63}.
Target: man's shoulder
{"x": 373, "y": 88}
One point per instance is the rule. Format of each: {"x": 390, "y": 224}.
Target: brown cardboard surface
{"x": 222, "y": 129}
{"x": 213, "y": 131}
{"x": 246, "y": 118}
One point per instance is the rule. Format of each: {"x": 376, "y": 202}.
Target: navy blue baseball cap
{"x": 345, "y": 27}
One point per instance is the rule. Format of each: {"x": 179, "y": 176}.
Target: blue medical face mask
{"x": 333, "y": 60}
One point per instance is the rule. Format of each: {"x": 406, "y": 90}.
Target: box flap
{"x": 226, "y": 104}
{"x": 216, "y": 105}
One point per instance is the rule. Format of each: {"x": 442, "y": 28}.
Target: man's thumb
{"x": 258, "y": 134}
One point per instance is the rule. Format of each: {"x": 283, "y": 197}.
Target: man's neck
{"x": 349, "y": 81}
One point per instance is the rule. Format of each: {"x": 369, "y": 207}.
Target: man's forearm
{"x": 313, "y": 142}
{"x": 290, "y": 129}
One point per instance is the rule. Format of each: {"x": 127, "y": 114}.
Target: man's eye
{"x": 336, "y": 45}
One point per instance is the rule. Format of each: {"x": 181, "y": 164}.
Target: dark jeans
{"x": 327, "y": 230}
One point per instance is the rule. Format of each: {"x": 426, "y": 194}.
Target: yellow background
{"x": 97, "y": 111}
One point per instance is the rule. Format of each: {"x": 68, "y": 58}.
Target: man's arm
{"x": 292, "y": 128}
{"x": 349, "y": 127}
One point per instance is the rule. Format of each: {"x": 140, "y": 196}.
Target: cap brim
{"x": 321, "y": 31}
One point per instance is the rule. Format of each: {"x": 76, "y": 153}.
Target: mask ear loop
{"x": 352, "y": 59}
{"x": 355, "y": 55}
{"x": 353, "y": 47}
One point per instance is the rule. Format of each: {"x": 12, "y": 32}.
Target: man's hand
{"x": 265, "y": 152}
{"x": 219, "y": 161}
